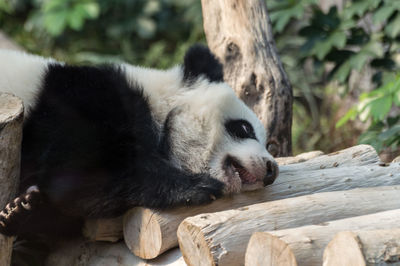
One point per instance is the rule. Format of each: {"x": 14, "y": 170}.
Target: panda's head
{"x": 206, "y": 128}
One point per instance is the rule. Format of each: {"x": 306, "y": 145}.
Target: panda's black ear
{"x": 199, "y": 61}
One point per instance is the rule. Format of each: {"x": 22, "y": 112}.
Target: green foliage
{"x": 147, "y": 32}
{"x": 374, "y": 107}
{"x": 321, "y": 48}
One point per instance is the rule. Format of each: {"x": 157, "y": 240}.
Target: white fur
{"x": 21, "y": 74}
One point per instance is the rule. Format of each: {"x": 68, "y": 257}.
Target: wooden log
{"x": 307, "y": 243}
{"x": 353, "y": 156}
{"x": 11, "y": 118}
{"x": 375, "y": 247}
{"x": 80, "y": 252}
{"x": 302, "y": 157}
{"x": 221, "y": 238}
{"x": 279, "y": 252}
{"x": 109, "y": 230}
{"x": 158, "y": 228}
{"x": 240, "y": 35}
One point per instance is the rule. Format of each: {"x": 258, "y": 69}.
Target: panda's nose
{"x": 272, "y": 172}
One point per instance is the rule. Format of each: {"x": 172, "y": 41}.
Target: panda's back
{"x": 86, "y": 120}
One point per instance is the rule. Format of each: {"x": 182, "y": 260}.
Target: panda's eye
{"x": 240, "y": 129}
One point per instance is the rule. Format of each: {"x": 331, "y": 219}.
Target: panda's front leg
{"x": 162, "y": 186}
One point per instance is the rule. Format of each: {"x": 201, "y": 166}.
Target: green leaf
{"x": 55, "y": 22}
{"x": 350, "y": 115}
{"x": 382, "y": 14}
{"x": 391, "y": 132}
{"x": 393, "y": 28}
{"x": 343, "y": 72}
{"x": 92, "y": 10}
{"x": 379, "y": 107}
{"x": 358, "y": 61}
{"x": 396, "y": 97}
{"x": 76, "y": 18}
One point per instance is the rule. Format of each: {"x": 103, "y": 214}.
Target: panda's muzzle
{"x": 266, "y": 173}
{"x": 272, "y": 173}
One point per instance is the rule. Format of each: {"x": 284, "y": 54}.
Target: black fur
{"x": 91, "y": 146}
{"x": 240, "y": 129}
{"x": 200, "y": 61}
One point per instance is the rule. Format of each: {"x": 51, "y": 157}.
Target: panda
{"x": 98, "y": 140}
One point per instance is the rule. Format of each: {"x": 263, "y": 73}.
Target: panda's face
{"x": 218, "y": 133}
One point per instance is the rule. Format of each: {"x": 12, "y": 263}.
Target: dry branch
{"x": 221, "y": 238}
{"x": 377, "y": 247}
{"x": 11, "y": 117}
{"x": 159, "y": 228}
{"x": 240, "y": 35}
{"x": 308, "y": 242}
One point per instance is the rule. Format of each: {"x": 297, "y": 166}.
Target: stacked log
{"x": 221, "y": 238}
{"x": 148, "y": 233}
{"x": 375, "y": 247}
{"x": 11, "y": 118}
{"x": 307, "y": 243}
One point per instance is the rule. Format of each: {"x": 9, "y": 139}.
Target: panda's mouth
{"x": 234, "y": 167}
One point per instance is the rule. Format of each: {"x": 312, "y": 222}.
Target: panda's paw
{"x": 204, "y": 190}
{"x": 15, "y": 212}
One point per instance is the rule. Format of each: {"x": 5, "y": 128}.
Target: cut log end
{"x": 269, "y": 250}
{"x": 142, "y": 233}
{"x": 344, "y": 249}
{"x": 194, "y": 248}
{"x": 11, "y": 108}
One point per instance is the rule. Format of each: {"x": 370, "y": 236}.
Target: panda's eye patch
{"x": 240, "y": 129}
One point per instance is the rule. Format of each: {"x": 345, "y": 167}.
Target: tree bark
{"x": 221, "y": 238}
{"x": 298, "y": 158}
{"x": 239, "y": 33}
{"x": 307, "y": 243}
{"x": 11, "y": 118}
{"x": 376, "y": 247}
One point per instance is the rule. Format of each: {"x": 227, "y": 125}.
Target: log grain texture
{"x": 279, "y": 253}
{"x": 307, "y": 243}
{"x": 158, "y": 228}
{"x": 81, "y": 252}
{"x": 375, "y": 247}
{"x": 11, "y": 118}
{"x": 221, "y": 238}
{"x": 240, "y": 35}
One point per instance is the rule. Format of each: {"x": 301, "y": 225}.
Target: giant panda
{"x": 98, "y": 140}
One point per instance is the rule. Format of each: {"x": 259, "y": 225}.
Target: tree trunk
{"x": 240, "y": 35}
{"x": 11, "y": 117}
{"x": 307, "y": 243}
{"x": 376, "y": 247}
{"x": 221, "y": 238}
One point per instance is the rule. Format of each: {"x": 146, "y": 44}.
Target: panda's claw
{"x": 206, "y": 190}
{"x": 17, "y": 211}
